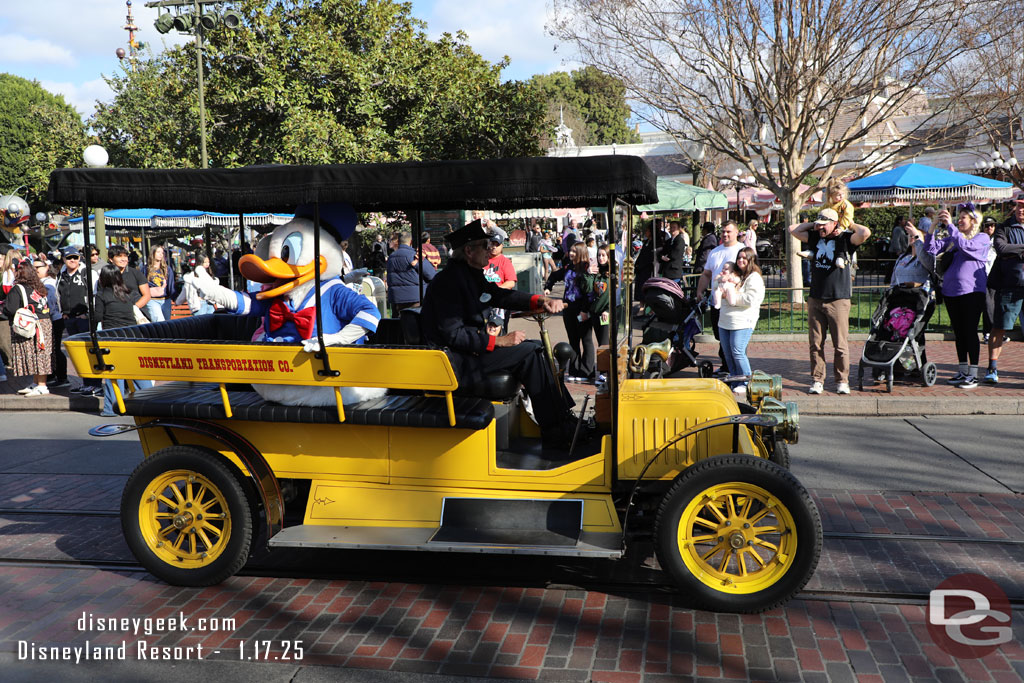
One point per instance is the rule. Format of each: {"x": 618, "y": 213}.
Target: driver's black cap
{"x": 471, "y": 232}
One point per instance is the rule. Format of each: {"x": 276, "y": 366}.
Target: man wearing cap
{"x": 430, "y": 252}
{"x": 456, "y": 310}
{"x": 1008, "y": 276}
{"x": 73, "y": 296}
{"x": 828, "y": 306}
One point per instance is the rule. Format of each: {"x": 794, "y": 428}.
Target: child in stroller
{"x": 677, "y": 318}
{"x": 896, "y": 342}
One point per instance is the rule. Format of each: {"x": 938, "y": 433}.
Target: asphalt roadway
{"x": 979, "y": 454}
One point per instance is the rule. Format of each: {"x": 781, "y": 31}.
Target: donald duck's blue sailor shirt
{"x": 339, "y": 307}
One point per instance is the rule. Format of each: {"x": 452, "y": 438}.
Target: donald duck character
{"x": 283, "y": 262}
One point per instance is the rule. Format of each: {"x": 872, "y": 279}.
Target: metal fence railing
{"x": 779, "y": 315}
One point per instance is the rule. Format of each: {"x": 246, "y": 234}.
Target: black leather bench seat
{"x": 203, "y": 401}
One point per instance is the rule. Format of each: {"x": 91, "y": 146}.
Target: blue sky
{"x": 68, "y": 45}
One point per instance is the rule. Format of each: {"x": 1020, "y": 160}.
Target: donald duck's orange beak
{"x": 285, "y": 276}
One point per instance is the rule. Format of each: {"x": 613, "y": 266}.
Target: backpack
{"x": 25, "y": 322}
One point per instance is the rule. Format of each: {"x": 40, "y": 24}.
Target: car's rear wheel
{"x": 738, "y": 534}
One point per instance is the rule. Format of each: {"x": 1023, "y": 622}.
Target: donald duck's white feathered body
{"x": 283, "y": 262}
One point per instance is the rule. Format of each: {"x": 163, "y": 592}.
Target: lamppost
{"x": 739, "y": 182}
{"x": 95, "y": 156}
{"x": 196, "y": 24}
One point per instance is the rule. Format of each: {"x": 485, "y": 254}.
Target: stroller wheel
{"x": 928, "y": 374}
{"x": 705, "y": 368}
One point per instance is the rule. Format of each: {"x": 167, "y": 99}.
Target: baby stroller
{"x": 677, "y": 319}
{"x": 896, "y": 342}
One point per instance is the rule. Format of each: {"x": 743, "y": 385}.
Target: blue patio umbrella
{"x": 919, "y": 183}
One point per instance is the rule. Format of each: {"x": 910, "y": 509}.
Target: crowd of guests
{"x": 975, "y": 266}
{"x": 55, "y": 287}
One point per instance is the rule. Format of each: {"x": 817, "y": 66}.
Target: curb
{"x": 51, "y": 403}
{"x": 893, "y": 406}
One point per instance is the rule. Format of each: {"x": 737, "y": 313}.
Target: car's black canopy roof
{"x": 536, "y": 182}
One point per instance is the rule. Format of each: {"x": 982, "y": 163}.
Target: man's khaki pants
{"x": 835, "y": 317}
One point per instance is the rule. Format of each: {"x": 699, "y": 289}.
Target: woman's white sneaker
{"x": 38, "y": 390}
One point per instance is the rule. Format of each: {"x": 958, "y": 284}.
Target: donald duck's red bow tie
{"x": 279, "y": 314}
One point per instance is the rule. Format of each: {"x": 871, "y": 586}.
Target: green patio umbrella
{"x": 674, "y": 196}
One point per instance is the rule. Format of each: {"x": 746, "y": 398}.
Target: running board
{"x": 589, "y": 544}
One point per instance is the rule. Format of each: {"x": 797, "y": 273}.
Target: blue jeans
{"x": 734, "y": 343}
{"x": 158, "y": 310}
{"x": 108, "y": 393}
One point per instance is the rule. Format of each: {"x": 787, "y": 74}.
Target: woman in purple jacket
{"x": 963, "y": 284}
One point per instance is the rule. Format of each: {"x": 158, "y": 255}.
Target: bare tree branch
{"x": 790, "y": 89}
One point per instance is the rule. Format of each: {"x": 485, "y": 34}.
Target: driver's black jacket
{"x": 455, "y": 307}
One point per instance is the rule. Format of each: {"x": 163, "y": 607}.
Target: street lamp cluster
{"x": 996, "y": 163}
{"x": 739, "y": 182}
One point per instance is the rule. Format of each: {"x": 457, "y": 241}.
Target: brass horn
{"x": 641, "y": 356}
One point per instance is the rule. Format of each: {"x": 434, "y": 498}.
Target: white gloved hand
{"x": 213, "y": 292}
{"x": 349, "y": 334}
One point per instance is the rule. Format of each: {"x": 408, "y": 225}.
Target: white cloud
{"x": 81, "y": 96}
{"x": 19, "y": 49}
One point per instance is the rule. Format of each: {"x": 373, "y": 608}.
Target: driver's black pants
{"x": 527, "y": 363}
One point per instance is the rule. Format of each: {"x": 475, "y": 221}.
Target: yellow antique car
{"x": 433, "y": 466}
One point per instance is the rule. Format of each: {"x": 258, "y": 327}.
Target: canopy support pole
{"x": 322, "y": 353}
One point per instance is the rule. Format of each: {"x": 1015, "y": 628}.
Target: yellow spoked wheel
{"x": 186, "y": 517}
{"x": 737, "y": 538}
{"x": 738, "y": 533}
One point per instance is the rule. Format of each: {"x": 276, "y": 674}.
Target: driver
{"x": 456, "y": 307}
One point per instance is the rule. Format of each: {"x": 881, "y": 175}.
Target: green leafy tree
{"x": 39, "y": 132}
{"x": 321, "y": 81}
{"x": 590, "y": 96}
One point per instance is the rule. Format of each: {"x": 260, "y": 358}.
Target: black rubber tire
{"x": 929, "y": 373}
{"x": 705, "y": 368}
{"x": 778, "y": 483}
{"x": 210, "y": 465}
{"x": 780, "y": 456}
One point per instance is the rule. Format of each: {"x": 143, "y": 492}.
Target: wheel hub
{"x": 182, "y": 520}
{"x": 737, "y": 540}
